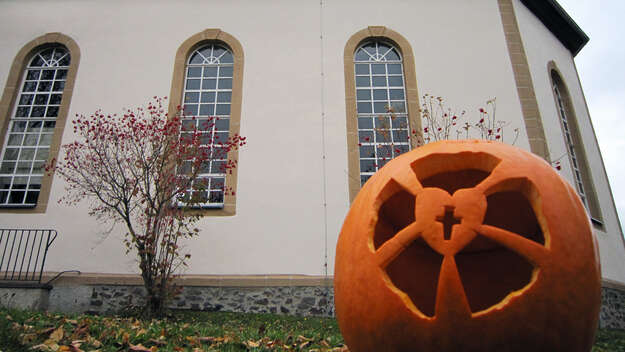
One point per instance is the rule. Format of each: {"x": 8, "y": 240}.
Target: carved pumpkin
{"x": 467, "y": 246}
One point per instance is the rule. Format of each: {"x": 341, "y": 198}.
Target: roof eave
{"x": 553, "y": 16}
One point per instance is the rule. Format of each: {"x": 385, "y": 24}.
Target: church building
{"x": 325, "y": 91}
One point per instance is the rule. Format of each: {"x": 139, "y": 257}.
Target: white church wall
{"x": 127, "y": 56}
{"x": 541, "y": 47}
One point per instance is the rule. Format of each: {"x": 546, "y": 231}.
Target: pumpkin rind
{"x": 549, "y": 301}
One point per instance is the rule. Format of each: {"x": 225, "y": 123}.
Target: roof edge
{"x": 553, "y": 16}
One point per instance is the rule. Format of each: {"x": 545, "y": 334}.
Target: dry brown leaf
{"x": 158, "y": 342}
{"x": 139, "y": 348}
{"x": 305, "y": 344}
{"x": 324, "y": 343}
{"x": 252, "y": 344}
{"x": 41, "y": 347}
{"x": 301, "y": 338}
{"x": 27, "y": 338}
{"x": 141, "y": 332}
{"x": 72, "y": 321}
{"x": 125, "y": 338}
{"x": 57, "y": 334}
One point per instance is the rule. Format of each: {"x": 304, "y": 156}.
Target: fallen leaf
{"x": 57, "y": 334}
{"x": 125, "y": 338}
{"x": 139, "y": 348}
{"x": 305, "y": 344}
{"x": 158, "y": 342}
{"x": 252, "y": 344}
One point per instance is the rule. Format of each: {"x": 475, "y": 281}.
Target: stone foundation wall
{"x": 612, "y": 314}
{"x": 292, "y": 300}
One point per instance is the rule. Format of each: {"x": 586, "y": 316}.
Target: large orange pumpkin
{"x": 467, "y": 246}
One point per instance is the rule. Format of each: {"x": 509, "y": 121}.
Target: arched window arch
{"x": 381, "y": 101}
{"x": 574, "y": 144}
{"x": 207, "y": 82}
{"x": 33, "y": 112}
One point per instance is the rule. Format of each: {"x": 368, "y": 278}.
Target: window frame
{"x": 583, "y": 182}
{"x": 186, "y": 49}
{"x": 11, "y": 95}
{"x": 404, "y": 48}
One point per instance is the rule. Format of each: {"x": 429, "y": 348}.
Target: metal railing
{"x": 23, "y": 254}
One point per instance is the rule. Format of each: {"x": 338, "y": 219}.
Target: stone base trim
{"x": 193, "y": 280}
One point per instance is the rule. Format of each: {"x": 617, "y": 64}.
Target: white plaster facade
{"x": 291, "y": 201}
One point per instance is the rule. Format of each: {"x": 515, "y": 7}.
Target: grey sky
{"x": 602, "y": 72}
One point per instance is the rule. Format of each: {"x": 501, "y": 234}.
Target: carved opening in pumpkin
{"x": 395, "y": 213}
{"x": 489, "y": 272}
{"x": 452, "y": 172}
{"x": 512, "y": 211}
{"x": 415, "y": 271}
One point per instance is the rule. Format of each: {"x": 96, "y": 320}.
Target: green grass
{"x": 183, "y": 331}
{"x": 189, "y": 331}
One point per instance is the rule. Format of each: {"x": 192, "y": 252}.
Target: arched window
{"x": 383, "y": 127}
{"x": 574, "y": 146}
{"x": 208, "y": 83}
{"x": 207, "y": 96}
{"x": 34, "y": 123}
{"x": 381, "y": 101}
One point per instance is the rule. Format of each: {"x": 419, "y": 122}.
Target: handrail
{"x": 23, "y": 254}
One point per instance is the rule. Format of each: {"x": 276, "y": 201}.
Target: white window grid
{"x": 577, "y": 173}
{"x": 207, "y": 96}
{"x": 29, "y": 135}
{"x": 383, "y": 127}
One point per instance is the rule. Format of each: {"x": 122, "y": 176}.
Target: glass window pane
{"x": 400, "y": 136}
{"x": 400, "y": 149}
{"x": 379, "y": 81}
{"x": 7, "y": 167}
{"x": 225, "y": 71}
{"x": 380, "y": 108}
{"x": 395, "y": 81}
{"x": 193, "y": 84}
{"x": 33, "y": 74}
{"x": 61, "y": 74}
{"x": 31, "y": 197}
{"x": 223, "y": 109}
{"x": 22, "y": 111}
{"x": 207, "y": 109}
{"x": 361, "y": 55}
{"x": 209, "y": 84}
{"x": 382, "y": 136}
{"x": 226, "y": 58}
{"x": 190, "y": 109}
{"x": 225, "y": 83}
{"x": 44, "y": 86}
{"x": 11, "y": 154}
{"x": 48, "y": 126}
{"x": 29, "y": 86}
{"x": 380, "y": 94}
{"x": 26, "y": 99}
{"x": 364, "y": 108}
{"x": 194, "y": 71}
{"x": 378, "y": 69}
{"x": 38, "y": 111}
{"x": 31, "y": 139}
{"x": 362, "y": 69}
{"x": 397, "y": 94}
{"x": 392, "y": 56}
{"x": 18, "y": 126}
{"x": 385, "y": 151}
{"x": 210, "y": 71}
{"x": 363, "y": 94}
{"x": 191, "y": 97}
{"x": 45, "y": 139}
{"x": 58, "y": 86}
{"x": 367, "y": 151}
{"x": 27, "y": 154}
{"x": 363, "y": 179}
{"x": 398, "y": 106}
{"x": 15, "y": 139}
{"x": 365, "y": 136}
{"x": 47, "y": 74}
{"x": 216, "y": 197}
{"x": 41, "y": 99}
{"x": 382, "y": 122}
{"x": 208, "y": 97}
{"x": 363, "y": 81}
{"x": 399, "y": 122}
{"x": 365, "y": 123}
{"x": 16, "y": 197}
{"x": 367, "y": 165}
{"x": 224, "y": 97}
{"x": 394, "y": 69}
{"x": 221, "y": 137}
{"x": 55, "y": 99}
{"x": 34, "y": 126}
{"x": 222, "y": 124}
